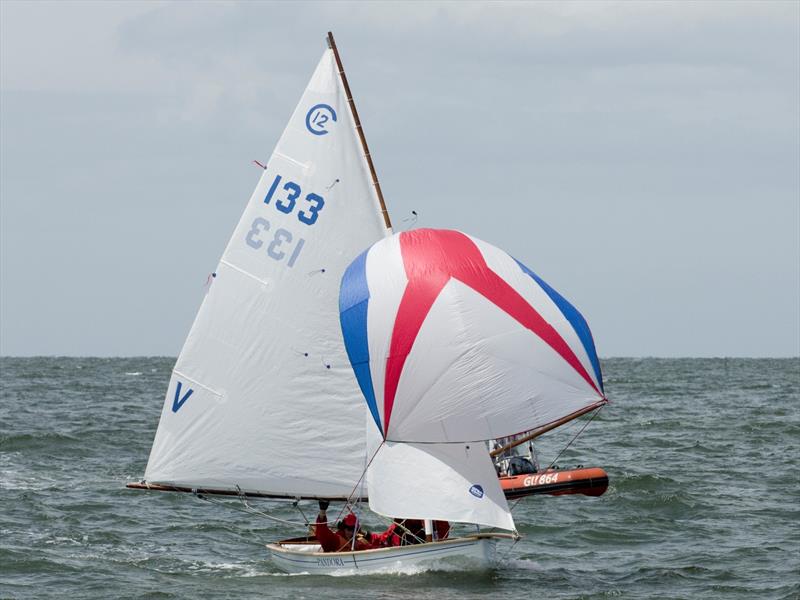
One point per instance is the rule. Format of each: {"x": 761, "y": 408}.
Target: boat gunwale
{"x": 475, "y": 537}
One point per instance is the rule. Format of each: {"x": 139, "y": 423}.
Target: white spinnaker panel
{"x": 392, "y": 283}
{"x": 274, "y": 407}
{"x": 475, "y": 373}
{"x": 501, "y": 262}
{"x": 448, "y": 482}
{"x": 474, "y": 370}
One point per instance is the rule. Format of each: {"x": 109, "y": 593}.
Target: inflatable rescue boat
{"x": 556, "y": 482}
{"x": 520, "y": 475}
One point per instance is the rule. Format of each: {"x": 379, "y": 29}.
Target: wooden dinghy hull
{"x": 589, "y": 482}
{"x": 304, "y": 555}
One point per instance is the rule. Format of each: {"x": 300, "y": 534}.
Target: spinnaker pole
{"x": 549, "y": 427}
{"x": 360, "y": 130}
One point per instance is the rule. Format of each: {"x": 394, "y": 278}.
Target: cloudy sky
{"x": 642, "y": 157}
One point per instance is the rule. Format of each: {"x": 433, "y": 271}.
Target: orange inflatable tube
{"x": 556, "y": 482}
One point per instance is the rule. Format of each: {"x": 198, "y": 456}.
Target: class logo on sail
{"x": 476, "y": 490}
{"x": 319, "y": 117}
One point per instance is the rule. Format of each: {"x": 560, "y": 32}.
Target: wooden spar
{"x": 549, "y": 427}
{"x": 156, "y": 487}
{"x": 360, "y": 130}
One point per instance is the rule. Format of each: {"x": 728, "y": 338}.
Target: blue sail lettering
{"x": 178, "y": 401}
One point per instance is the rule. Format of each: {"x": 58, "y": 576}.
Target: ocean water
{"x": 704, "y": 501}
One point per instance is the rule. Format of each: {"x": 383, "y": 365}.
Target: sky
{"x": 643, "y": 158}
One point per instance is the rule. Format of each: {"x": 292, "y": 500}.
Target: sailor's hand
{"x": 323, "y": 505}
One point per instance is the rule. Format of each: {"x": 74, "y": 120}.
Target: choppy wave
{"x": 44, "y": 440}
{"x": 702, "y": 456}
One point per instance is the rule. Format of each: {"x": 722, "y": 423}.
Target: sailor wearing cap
{"x": 342, "y": 539}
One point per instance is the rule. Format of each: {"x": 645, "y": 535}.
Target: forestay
{"x": 453, "y": 340}
{"x": 262, "y": 396}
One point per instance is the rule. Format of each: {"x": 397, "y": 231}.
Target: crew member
{"x": 403, "y": 532}
{"x": 442, "y": 529}
{"x": 342, "y": 539}
{"x": 389, "y": 538}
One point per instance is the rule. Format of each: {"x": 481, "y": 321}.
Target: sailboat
{"x": 266, "y": 401}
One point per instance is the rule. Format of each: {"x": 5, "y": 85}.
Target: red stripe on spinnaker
{"x": 431, "y": 258}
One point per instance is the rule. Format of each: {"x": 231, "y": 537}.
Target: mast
{"x": 360, "y": 130}
{"x": 549, "y": 427}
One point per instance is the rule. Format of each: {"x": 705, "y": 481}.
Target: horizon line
{"x": 175, "y": 357}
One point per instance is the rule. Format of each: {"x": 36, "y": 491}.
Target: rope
{"x": 349, "y": 502}
{"x": 390, "y": 521}
{"x": 409, "y": 532}
{"x": 296, "y": 504}
{"x": 510, "y": 549}
{"x": 575, "y": 437}
{"x": 249, "y": 509}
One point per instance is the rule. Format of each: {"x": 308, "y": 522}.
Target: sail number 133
{"x": 279, "y": 243}
{"x": 311, "y": 204}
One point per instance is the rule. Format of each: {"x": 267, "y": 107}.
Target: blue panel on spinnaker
{"x": 575, "y": 319}
{"x": 353, "y": 303}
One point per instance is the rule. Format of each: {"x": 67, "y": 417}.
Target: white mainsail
{"x": 262, "y": 398}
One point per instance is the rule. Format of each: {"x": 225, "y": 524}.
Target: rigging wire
{"x": 516, "y": 540}
{"x": 355, "y": 487}
{"x": 575, "y": 437}
{"x": 355, "y": 502}
{"x": 247, "y": 508}
{"x": 296, "y": 504}
{"x": 250, "y": 510}
{"x": 550, "y": 466}
{"x": 412, "y": 220}
{"x": 513, "y": 506}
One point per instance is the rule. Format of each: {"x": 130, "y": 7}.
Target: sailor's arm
{"x": 329, "y": 540}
